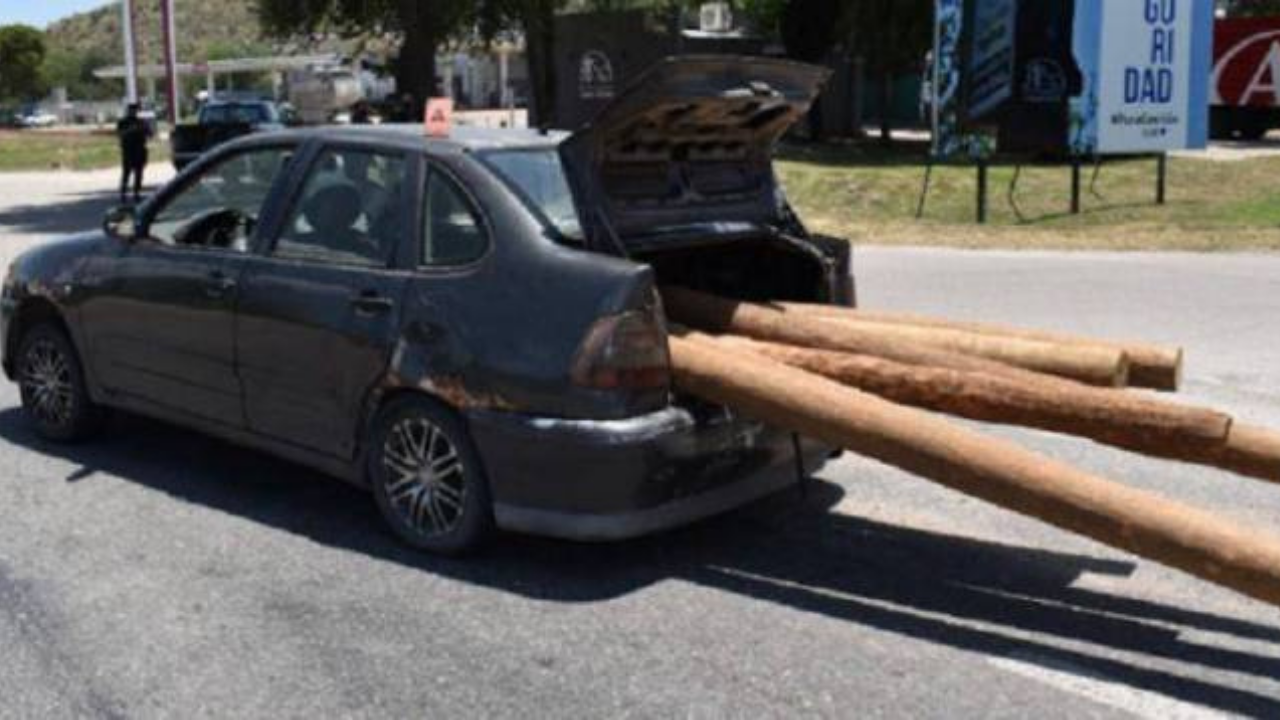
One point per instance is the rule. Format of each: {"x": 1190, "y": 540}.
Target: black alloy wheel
{"x": 51, "y": 382}
{"x": 427, "y": 478}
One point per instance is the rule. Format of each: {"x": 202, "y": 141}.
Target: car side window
{"x": 220, "y": 209}
{"x": 453, "y": 233}
{"x": 349, "y": 212}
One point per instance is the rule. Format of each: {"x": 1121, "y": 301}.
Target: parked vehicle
{"x": 1245, "y": 94}
{"x": 467, "y": 326}
{"x": 220, "y": 121}
{"x": 324, "y": 95}
{"x": 37, "y": 119}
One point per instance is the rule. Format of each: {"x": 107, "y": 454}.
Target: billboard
{"x": 1246, "y": 71}
{"x": 1071, "y": 76}
{"x": 991, "y": 61}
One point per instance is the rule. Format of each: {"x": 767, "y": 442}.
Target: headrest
{"x": 336, "y": 207}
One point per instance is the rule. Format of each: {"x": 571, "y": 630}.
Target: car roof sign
{"x": 439, "y": 117}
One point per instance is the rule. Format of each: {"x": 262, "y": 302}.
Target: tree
{"x": 22, "y": 52}
{"x": 1249, "y": 8}
{"x": 765, "y": 16}
{"x": 535, "y": 19}
{"x": 73, "y": 69}
{"x": 892, "y": 36}
{"x": 423, "y": 25}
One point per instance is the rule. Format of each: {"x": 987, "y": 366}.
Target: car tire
{"x": 427, "y": 478}
{"x": 51, "y": 382}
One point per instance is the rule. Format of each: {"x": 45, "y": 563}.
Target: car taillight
{"x": 625, "y": 352}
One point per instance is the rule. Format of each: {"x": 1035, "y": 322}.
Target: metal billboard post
{"x": 130, "y": 53}
{"x": 1162, "y": 177}
{"x": 1075, "y": 185}
{"x": 982, "y": 191}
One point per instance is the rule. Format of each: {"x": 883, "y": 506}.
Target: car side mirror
{"x": 121, "y": 223}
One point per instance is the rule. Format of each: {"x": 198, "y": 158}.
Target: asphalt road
{"x": 160, "y": 574}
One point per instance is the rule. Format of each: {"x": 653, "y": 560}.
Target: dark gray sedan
{"x": 467, "y": 326}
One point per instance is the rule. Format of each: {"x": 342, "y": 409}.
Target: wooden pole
{"x": 1094, "y": 365}
{"x": 1150, "y": 425}
{"x": 914, "y": 346}
{"x": 993, "y": 470}
{"x": 1132, "y": 422}
{"x": 1150, "y": 366}
{"x": 1249, "y": 450}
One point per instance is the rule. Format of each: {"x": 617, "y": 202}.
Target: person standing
{"x": 134, "y": 132}
{"x": 361, "y": 114}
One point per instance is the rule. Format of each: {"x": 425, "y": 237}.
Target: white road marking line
{"x": 1139, "y": 703}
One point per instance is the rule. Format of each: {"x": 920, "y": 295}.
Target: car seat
{"x": 333, "y": 214}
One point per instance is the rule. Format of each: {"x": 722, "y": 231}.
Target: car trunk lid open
{"x": 688, "y": 148}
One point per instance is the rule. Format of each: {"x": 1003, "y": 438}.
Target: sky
{"x": 42, "y": 12}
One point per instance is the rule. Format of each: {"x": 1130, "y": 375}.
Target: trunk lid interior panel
{"x": 692, "y": 139}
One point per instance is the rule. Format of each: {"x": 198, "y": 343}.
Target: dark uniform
{"x": 134, "y": 133}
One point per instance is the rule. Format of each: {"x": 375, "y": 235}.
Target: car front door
{"x": 320, "y": 308}
{"x": 160, "y": 318}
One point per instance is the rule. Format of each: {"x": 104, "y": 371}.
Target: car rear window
{"x": 255, "y": 114}
{"x": 539, "y": 178}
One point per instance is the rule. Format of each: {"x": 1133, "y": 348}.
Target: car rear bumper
{"x": 613, "y": 480}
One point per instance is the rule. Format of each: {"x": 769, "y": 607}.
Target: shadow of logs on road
{"x": 998, "y": 600}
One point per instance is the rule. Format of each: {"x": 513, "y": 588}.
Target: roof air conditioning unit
{"x": 716, "y": 17}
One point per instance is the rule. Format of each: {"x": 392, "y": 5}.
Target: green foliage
{"x": 22, "y": 51}
{"x": 810, "y": 28}
{"x": 892, "y": 35}
{"x": 764, "y": 15}
{"x": 73, "y": 69}
{"x": 422, "y": 24}
{"x": 1250, "y": 8}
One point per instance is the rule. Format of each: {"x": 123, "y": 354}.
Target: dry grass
{"x": 869, "y": 195}
{"x": 63, "y": 150}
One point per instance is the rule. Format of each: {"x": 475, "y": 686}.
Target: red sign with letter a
{"x": 1246, "y": 62}
{"x": 439, "y": 117}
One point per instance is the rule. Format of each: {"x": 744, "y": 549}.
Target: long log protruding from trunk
{"x": 722, "y": 316}
{"x": 1249, "y": 450}
{"x": 1133, "y": 422}
{"x": 1146, "y": 424}
{"x": 993, "y": 470}
{"x": 1150, "y": 366}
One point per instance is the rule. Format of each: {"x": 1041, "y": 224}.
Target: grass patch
{"x": 869, "y": 194}
{"x": 39, "y": 150}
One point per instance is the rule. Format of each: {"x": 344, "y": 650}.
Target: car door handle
{"x": 372, "y": 302}
{"x": 219, "y": 285}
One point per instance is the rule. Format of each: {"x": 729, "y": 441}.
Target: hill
{"x": 208, "y": 29}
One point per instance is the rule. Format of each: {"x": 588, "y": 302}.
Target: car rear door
{"x": 320, "y": 307}
{"x": 159, "y": 319}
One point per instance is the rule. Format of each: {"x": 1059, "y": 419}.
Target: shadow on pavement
{"x": 73, "y": 213}
{"x": 983, "y": 597}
